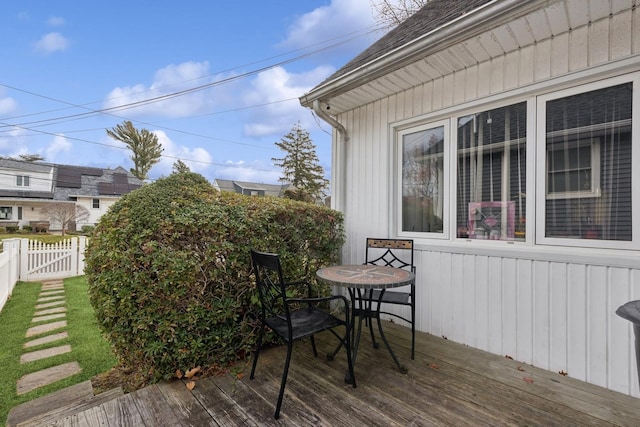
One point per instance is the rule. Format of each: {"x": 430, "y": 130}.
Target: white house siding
{"x": 95, "y": 213}
{"x": 550, "y": 307}
{"x": 38, "y": 180}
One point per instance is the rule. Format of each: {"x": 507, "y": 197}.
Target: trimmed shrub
{"x": 87, "y": 230}
{"x": 169, "y": 270}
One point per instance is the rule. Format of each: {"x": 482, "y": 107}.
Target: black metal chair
{"x": 293, "y": 319}
{"x": 393, "y": 253}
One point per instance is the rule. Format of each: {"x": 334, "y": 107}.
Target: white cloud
{"x": 56, "y": 21}
{"x": 327, "y": 22}
{"x": 249, "y": 172}
{"x": 59, "y": 144}
{"x": 50, "y": 43}
{"x": 274, "y": 85}
{"x": 13, "y": 142}
{"x": 169, "y": 80}
{"x": 7, "y": 105}
{"x": 198, "y": 159}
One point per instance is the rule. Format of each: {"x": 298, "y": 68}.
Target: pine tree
{"x": 300, "y": 166}
{"x": 144, "y": 145}
{"x": 179, "y": 167}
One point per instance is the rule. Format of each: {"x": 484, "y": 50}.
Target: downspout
{"x": 338, "y": 158}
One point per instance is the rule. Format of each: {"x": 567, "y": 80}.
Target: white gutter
{"x": 338, "y": 158}
{"x": 434, "y": 41}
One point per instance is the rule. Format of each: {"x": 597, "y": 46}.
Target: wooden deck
{"x": 448, "y": 384}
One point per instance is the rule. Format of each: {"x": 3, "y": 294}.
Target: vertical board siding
{"x": 554, "y": 315}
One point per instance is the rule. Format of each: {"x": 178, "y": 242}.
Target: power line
{"x": 111, "y": 110}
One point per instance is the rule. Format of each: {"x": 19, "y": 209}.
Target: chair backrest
{"x": 390, "y": 252}
{"x": 271, "y": 288}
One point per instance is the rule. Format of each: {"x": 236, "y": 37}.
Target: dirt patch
{"x": 114, "y": 378}
{"x": 125, "y": 378}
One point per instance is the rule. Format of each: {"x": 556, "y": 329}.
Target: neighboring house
{"x": 250, "y": 188}
{"x": 27, "y": 187}
{"x": 499, "y": 136}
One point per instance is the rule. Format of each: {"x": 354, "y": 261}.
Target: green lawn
{"x": 88, "y": 347}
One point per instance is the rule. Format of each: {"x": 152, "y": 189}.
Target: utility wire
{"x": 109, "y": 111}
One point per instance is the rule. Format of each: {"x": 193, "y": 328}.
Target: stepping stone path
{"x": 49, "y": 316}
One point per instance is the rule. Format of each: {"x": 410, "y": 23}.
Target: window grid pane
{"x": 491, "y": 184}
{"x": 588, "y": 145}
{"x": 423, "y": 180}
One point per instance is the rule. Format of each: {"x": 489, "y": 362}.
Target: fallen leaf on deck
{"x": 520, "y": 368}
{"x": 434, "y": 366}
{"x": 508, "y": 357}
{"x": 191, "y": 372}
{"x": 191, "y": 385}
{"x": 178, "y": 373}
{"x": 563, "y": 373}
{"x": 528, "y": 380}
{"x": 240, "y": 375}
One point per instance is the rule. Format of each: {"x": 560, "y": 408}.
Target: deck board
{"x": 447, "y": 384}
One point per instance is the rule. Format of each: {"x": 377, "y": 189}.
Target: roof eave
{"x": 440, "y": 38}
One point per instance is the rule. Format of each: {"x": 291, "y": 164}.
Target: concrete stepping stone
{"x": 50, "y": 311}
{"x": 47, "y": 376}
{"x": 47, "y": 327}
{"x": 43, "y": 354}
{"x": 51, "y": 293}
{"x": 49, "y": 304}
{"x": 46, "y": 299}
{"x": 53, "y": 286}
{"x": 46, "y": 340}
{"x": 49, "y": 317}
{"x": 51, "y": 290}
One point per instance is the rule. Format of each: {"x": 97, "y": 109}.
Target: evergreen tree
{"x": 300, "y": 166}
{"x": 179, "y": 166}
{"x": 31, "y": 157}
{"x": 144, "y": 145}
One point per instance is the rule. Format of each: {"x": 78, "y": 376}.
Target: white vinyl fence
{"x": 31, "y": 260}
{"x": 9, "y": 269}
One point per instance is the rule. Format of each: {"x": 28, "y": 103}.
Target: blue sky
{"x": 241, "y": 64}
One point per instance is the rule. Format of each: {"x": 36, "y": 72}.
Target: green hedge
{"x": 169, "y": 270}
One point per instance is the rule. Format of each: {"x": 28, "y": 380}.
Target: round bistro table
{"x": 359, "y": 278}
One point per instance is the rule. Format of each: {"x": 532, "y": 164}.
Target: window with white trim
{"x": 22, "y": 180}
{"x": 95, "y": 203}
{"x": 423, "y": 179}
{"x": 572, "y": 169}
{"x": 579, "y": 192}
{"x": 491, "y": 174}
{"x": 588, "y": 169}
{"x": 6, "y": 212}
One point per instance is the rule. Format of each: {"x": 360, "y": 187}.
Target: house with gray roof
{"x": 502, "y": 137}
{"x": 28, "y": 187}
{"x": 250, "y": 188}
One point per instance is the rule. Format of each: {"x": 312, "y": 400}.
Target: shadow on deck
{"x": 448, "y": 384}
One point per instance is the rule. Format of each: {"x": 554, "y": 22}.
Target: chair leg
{"x": 257, "y": 352}
{"x": 313, "y": 345}
{"x": 284, "y": 380}
{"x": 413, "y": 330}
{"x": 347, "y": 340}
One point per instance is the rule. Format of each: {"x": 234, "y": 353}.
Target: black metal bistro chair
{"x": 293, "y": 318}
{"x": 393, "y": 253}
